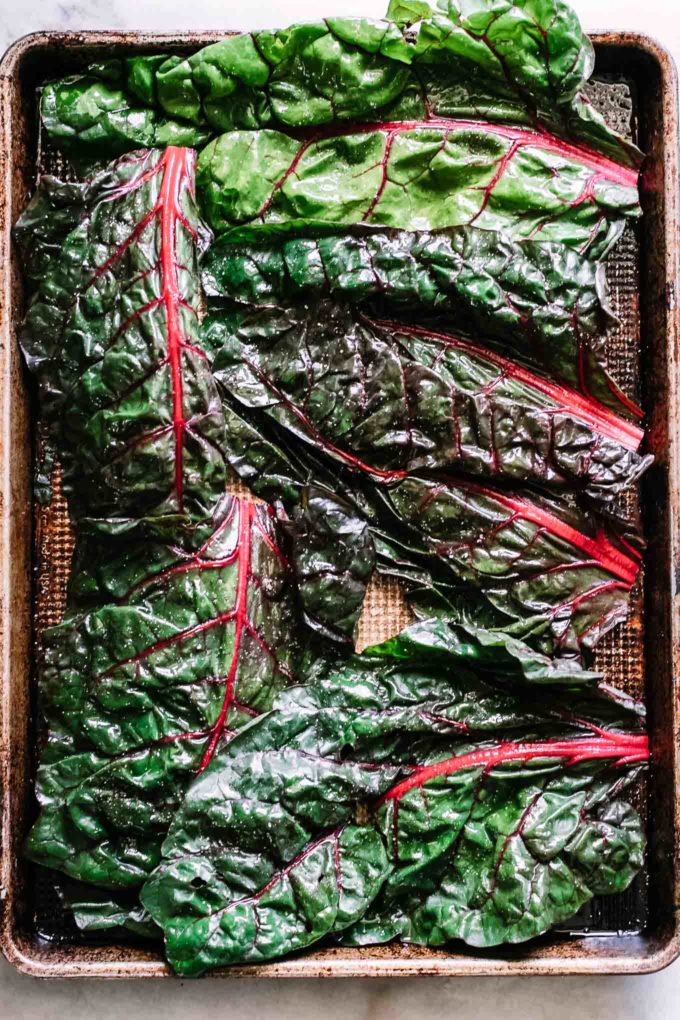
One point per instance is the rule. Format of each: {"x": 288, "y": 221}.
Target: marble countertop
{"x": 639, "y": 998}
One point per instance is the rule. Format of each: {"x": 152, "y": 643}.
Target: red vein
{"x": 284, "y": 872}
{"x": 195, "y": 563}
{"x": 160, "y": 646}
{"x": 603, "y": 167}
{"x": 599, "y": 548}
{"x": 384, "y": 163}
{"x": 592, "y": 412}
{"x": 240, "y": 615}
{"x": 623, "y": 748}
{"x": 324, "y": 443}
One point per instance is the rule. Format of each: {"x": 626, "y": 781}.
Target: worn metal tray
{"x": 638, "y": 933}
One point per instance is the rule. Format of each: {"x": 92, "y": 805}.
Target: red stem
{"x": 600, "y": 548}
{"x": 600, "y": 418}
{"x": 176, "y": 163}
{"x": 623, "y": 748}
{"x": 603, "y": 168}
{"x": 240, "y": 614}
{"x": 522, "y": 137}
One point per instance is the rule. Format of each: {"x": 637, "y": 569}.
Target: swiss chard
{"x": 358, "y": 801}
{"x": 427, "y": 174}
{"x": 333, "y": 558}
{"x": 533, "y": 559}
{"x": 388, "y": 399}
{"x": 543, "y": 301}
{"x": 112, "y": 337}
{"x": 548, "y": 573}
{"x": 501, "y": 61}
{"x": 139, "y": 693}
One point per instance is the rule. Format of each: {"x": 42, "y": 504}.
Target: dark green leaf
{"x": 186, "y": 645}
{"x": 544, "y": 302}
{"x": 333, "y": 559}
{"x": 298, "y": 810}
{"x": 111, "y": 335}
{"x": 386, "y": 399}
{"x": 533, "y": 559}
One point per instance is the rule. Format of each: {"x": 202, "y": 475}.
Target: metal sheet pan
{"x": 642, "y": 657}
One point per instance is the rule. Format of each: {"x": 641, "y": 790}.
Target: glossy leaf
{"x": 545, "y": 572}
{"x": 188, "y": 645}
{"x": 316, "y": 806}
{"x": 420, "y": 174}
{"x": 520, "y": 845}
{"x": 333, "y": 559}
{"x": 99, "y": 115}
{"x": 111, "y": 335}
{"x": 506, "y": 62}
{"x": 542, "y": 302}
{"x": 533, "y": 559}
{"x": 386, "y": 399}
{"x": 97, "y": 914}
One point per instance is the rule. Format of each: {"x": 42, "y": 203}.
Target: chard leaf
{"x": 333, "y": 558}
{"x": 534, "y": 567}
{"x": 111, "y": 335}
{"x": 420, "y": 174}
{"x": 95, "y": 117}
{"x": 533, "y": 559}
{"x": 180, "y": 647}
{"x": 334, "y": 785}
{"x": 386, "y": 399}
{"x": 97, "y": 913}
{"x": 516, "y": 850}
{"x": 504, "y": 61}
{"x": 544, "y": 302}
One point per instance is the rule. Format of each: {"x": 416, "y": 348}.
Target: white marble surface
{"x": 655, "y": 997}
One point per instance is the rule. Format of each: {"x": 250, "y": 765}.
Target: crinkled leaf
{"x": 187, "y": 645}
{"x": 54, "y": 211}
{"x": 487, "y": 652}
{"x": 511, "y": 856}
{"x": 272, "y": 839}
{"x": 111, "y": 335}
{"x": 333, "y": 558}
{"x": 427, "y": 174}
{"x": 96, "y": 912}
{"x": 387, "y": 399}
{"x": 532, "y": 559}
{"x": 543, "y": 302}
{"x": 502, "y": 61}
{"x": 94, "y": 117}
{"x": 534, "y": 567}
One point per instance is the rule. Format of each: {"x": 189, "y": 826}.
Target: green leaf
{"x": 264, "y": 852}
{"x": 419, "y": 175}
{"x": 333, "y": 558}
{"x": 112, "y": 336}
{"x": 498, "y": 60}
{"x": 98, "y": 913}
{"x": 94, "y": 119}
{"x": 386, "y": 399}
{"x": 543, "y": 302}
{"x": 533, "y": 559}
{"x": 408, "y": 12}
{"x": 177, "y": 649}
